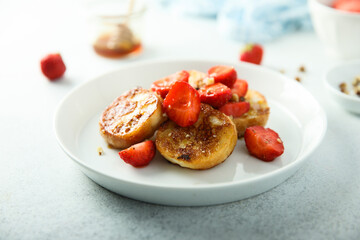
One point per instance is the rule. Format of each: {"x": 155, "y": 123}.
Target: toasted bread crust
{"x": 203, "y": 145}
{"x": 258, "y": 114}
{"x": 131, "y": 118}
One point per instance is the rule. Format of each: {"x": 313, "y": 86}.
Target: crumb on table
{"x": 302, "y": 68}
{"x": 298, "y": 79}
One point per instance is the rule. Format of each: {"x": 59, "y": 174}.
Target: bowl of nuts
{"x": 343, "y": 85}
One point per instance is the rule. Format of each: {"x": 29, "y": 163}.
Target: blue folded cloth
{"x": 262, "y": 20}
{"x": 249, "y": 20}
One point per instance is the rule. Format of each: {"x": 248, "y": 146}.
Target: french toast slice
{"x": 203, "y": 145}
{"x": 131, "y": 118}
{"x": 257, "y": 115}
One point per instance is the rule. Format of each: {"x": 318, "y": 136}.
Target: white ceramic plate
{"x": 295, "y": 115}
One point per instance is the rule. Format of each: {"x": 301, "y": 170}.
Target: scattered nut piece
{"x": 282, "y": 71}
{"x": 356, "y": 81}
{"x": 302, "y": 68}
{"x": 343, "y": 88}
{"x": 357, "y": 90}
{"x": 298, "y": 79}
{"x": 100, "y": 151}
{"x": 234, "y": 98}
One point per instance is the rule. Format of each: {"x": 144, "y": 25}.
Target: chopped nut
{"x": 282, "y": 71}
{"x": 357, "y": 90}
{"x": 170, "y": 134}
{"x": 234, "y": 98}
{"x": 100, "y": 151}
{"x": 302, "y": 69}
{"x": 343, "y": 88}
{"x": 356, "y": 81}
{"x": 209, "y": 81}
{"x": 298, "y": 79}
{"x": 214, "y": 135}
{"x": 187, "y": 135}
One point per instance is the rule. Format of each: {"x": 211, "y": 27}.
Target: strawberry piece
{"x": 139, "y": 155}
{"x": 263, "y": 143}
{"x": 182, "y": 104}
{"x": 240, "y": 87}
{"x": 223, "y": 74}
{"x": 235, "y": 109}
{"x": 162, "y": 86}
{"x": 52, "y": 66}
{"x": 347, "y": 5}
{"x": 215, "y": 95}
{"x": 252, "y": 53}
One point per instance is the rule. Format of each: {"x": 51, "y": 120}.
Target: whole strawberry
{"x": 252, "y": 53}
{"x": 52, "y": 66}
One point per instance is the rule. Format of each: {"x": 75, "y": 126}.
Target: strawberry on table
{"x": 223, "y": 74}
{"x": 263, "y": 143}
{"x": 252, "y": 53}
{"x": 240, "y": 87}
{"x": 52, "y": 66}
{"x": 215, "y": 95}
{"x": 162, "y": 86}
{"x": 182, "y": 104}
{"x": 236, "y": 109}
{"x": 139, "y": 155}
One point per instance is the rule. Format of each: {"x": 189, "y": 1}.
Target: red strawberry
{"x": 240, "y": 87}
{"x": 223, "y": 74}
{"x": 347, "y": 5}
{"x": 163, "y": 85}
{"x": 263, "y": 143}
{"x": 252, "y": 53}
{"x": 52, "y": 66}
{"x": 182, "y": 104}
{"x": 139, "y": 155}
{"x": 215, "y": 95}
{"x": 235, "y": 109}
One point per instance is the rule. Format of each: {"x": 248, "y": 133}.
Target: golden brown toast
{"x": 203, "y": 145}
{"x": 131, "y": 118}
{"x": 258, "y": 114}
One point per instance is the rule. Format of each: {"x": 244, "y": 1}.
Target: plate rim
{"x": 298, "y": 161}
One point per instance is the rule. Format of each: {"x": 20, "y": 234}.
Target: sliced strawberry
{"x": 163, "y": 85}
{"x": 52, "y": 66}
{"x": 236, "y": 109}
{"x": 223, "y": 74}
{"x": 215, "y": 95}
{"x": 182, "y": 104}
{"x": 252, "y": 53}
{"x": 139, "y": 155}
{"x": 240, "y": 87}
{"x": 263, "y": 143}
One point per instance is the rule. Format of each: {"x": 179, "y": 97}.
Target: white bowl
{"x": 345, "y": 72}
{"x": 338, "y": 30}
